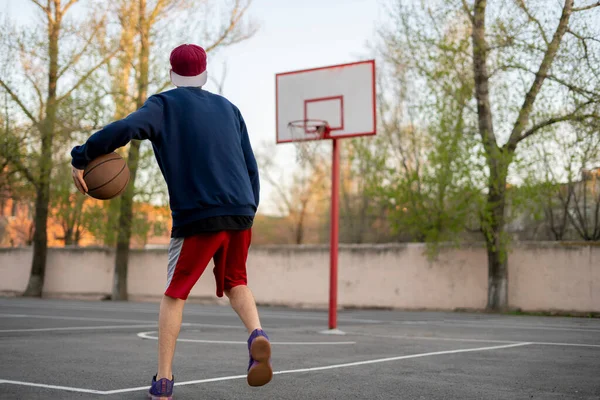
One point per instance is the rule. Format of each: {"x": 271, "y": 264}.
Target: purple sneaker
{"x": 260, "y": 371}
{"x": 161, "y": 389}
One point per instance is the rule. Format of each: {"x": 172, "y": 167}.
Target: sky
{"x": 292, "y": 35}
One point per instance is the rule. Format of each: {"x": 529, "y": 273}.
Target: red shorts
{"x": 189, "y": 257}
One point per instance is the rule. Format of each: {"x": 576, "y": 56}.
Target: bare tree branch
{"x": 165, "y": 85}
{"x": 160, "y": 4}
{"x": 583, "y": 38}
{"x": 19, "y": 102}
{"x": 68, "y": 5}
{"x": 12, "y": 158}
{"x": 220, "y": 83}
{"x": 594, "y": 5}
{"x": 467, "y": 10}
{"x": 83, "y": 78}
{"x": 556, "y": 120}
{"x": 236, "y": 15}
{"x": 590, "y": 95}
{"x": 521, "y": 4}
{"x": 540, "y": 76}
{"x": 45, "y": 9}
{"x": 38, "y": 92}
{"x": 80, "y": 54}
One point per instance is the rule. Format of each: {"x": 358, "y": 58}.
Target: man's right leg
{"x": 242, "y": 301}
{"x": 231, "y": 267}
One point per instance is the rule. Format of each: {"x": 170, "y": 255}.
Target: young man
{"x": 202, "y": 148}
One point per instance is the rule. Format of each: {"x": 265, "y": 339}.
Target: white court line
{"x": 449, "y": 339}
{"x": 499, "y": 325}
{"x": 566, "y": 344}
{"x": 147, "y": 335}
{"x": 140, "y": 388}
{"x": 41, "y": 385}
{"x": 290, "y": 371}
{"x": 36, "y": 316}
{"x": 284, "y": 315}
{"x": 327, "y": 367}
{"x": 32, "y": 316}
{"x": 76, "y": 328}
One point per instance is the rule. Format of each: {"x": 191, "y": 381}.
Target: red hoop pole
{"x": 334, "y": 236}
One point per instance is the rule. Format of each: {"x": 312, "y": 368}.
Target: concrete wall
{"x": 542, "y": 276}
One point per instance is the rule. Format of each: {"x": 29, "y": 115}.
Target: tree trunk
{"x": 300, "y": 228}
{"x": 126, "y": 213}
{"x": 69, "y": 238}
{"x": 40, "y": 244}
{"x": 40, "y": 235}
{"x": 42, "y": 200}
{"x": 495, "y": 238}
{"x": 492, "y": 220}
{"x": 119, "y": 291}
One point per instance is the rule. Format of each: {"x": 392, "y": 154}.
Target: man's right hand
{"x": 79, "y": 181}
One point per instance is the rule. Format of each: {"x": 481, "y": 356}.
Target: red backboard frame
{"x": 371, "y": 132}
{"x": 317, "y": 100}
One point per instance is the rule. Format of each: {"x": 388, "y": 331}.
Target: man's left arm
{"x": 144, "y": 123}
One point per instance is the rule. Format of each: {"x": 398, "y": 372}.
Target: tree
{"x": 67, "y": 207}
{"x": 532, "y": 68}
{"x": 298, "y": 193}
{"x": 355, "y": 201}
{"x": 564, "y": 163}
{"x": 572, "y": 195}
{"x": 583, "y": 106}
{"x": 423, "y": 171}
{"x": 55, "y": 70}
{"x": 230, "y": 30}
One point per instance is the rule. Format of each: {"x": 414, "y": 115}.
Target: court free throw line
{"x": 290, "y": 371}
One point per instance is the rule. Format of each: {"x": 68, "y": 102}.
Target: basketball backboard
{"x": 342, "y": 95}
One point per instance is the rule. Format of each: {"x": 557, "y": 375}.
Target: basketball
{"x": 106, "y": 176}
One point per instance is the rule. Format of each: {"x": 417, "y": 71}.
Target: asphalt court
{"x": 101, "y": 350}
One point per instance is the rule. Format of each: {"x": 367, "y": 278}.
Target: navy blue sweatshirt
{"x": 202, "y": 147}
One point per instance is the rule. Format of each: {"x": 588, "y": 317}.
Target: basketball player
{"x": 202, "y": 147}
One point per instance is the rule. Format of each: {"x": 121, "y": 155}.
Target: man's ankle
{"x": 251, "y": 330}
{"x": 162, "y": 376}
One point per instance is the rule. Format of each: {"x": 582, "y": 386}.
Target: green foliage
{"x": 429, "y": 168}
{"x": 66, "y": 206}
{"x": 101, "y": 220}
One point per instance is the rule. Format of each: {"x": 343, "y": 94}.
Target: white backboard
{"x": 343, "y": 95}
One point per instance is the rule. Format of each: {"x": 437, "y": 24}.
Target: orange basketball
{"x": 106, "y": 177}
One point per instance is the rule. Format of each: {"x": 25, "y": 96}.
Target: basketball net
{"x": 306, "y": 136}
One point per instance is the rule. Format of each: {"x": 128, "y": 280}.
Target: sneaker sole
{"x": 262, "y": 372}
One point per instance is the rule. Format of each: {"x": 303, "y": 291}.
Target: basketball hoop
{"x": 306, "y": 134}
{"x": 331, "y": 102}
